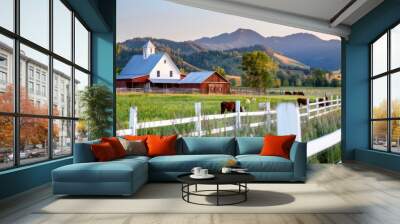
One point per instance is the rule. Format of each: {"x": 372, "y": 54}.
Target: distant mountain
{"x": 303, "y": 47}
{"x": 238, "y": 39}
{"x": 192, "y": 57}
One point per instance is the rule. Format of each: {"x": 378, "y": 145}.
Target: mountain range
{"x": 304, "y": 47}
{"x": 294, "y": 52}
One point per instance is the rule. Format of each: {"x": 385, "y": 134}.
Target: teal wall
{"x": 100, "y": 17}
{"x": 355, "y": 91}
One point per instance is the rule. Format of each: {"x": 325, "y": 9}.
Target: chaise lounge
{"x": 125, "y": 176}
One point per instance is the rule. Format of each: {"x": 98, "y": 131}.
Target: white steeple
{"x": 148, "y": 49}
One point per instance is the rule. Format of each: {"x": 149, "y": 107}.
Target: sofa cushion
{"x": 249, "y": 145}
{"x": 185, "y": 163}
{"x": 161, "y": 145}
{"x": 207, "y": 145}
{"x": 278, "y": 145}
{"x": 116, "y": 145}
{"x": 83, "y": 153}
{"x": 257, "y": 163}
{"x": 112, "y": 171}
{"x": 103, "y": 152}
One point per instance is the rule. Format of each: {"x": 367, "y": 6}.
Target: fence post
{"x": 308, "y": 108}
{"x": 268, "y": 117}
{"x": 288, "y": 120}
{"x": 133, "y": 120}
{"x": 197, "y": 108}
{"x": 317, "y": 107}
{"x": 337, "y": 102}
{"x": 237, "y": 110}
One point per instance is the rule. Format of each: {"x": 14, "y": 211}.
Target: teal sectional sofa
{"x": 125, "y": 176}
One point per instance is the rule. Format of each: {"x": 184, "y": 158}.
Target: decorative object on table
{"x": 200, "y": 173}
{"x": 96, "y": 102}
{"x": 239, "y": 195}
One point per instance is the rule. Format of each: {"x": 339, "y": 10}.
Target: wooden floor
{"x": 379, "y": 189}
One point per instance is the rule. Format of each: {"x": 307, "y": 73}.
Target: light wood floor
{"x": 377, "y": 188}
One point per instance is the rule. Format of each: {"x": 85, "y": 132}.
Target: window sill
{"x": 30, "y": 166}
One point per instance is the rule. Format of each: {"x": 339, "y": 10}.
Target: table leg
{"x": 195, "y": 188}
{"x": 217, "y": 194}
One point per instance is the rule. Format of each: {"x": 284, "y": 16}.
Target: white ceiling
{"x": 314, "y": 15}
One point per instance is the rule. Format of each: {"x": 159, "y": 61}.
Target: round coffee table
{"x": 238, "y": 179}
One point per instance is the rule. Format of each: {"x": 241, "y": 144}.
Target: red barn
{"x": 206, "y": 82}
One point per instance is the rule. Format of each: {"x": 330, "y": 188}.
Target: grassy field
{"x": 153, "y": 107}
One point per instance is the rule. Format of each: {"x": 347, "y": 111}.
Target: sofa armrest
{"x": 298, "y": 155}
{"x": 83, "y": 152}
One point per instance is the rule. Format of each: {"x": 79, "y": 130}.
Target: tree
{"x": 233, "y": 82}
{"x": 33, "y": 131}
{"x": 259, "y": 69}
{"x": 96, "y": 102}
{"x": 220, "y": 71}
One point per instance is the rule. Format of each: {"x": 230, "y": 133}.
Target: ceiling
{"x": 326, "y": 16}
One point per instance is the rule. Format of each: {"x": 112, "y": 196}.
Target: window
{"x": 170, "y": 73}
{"x": 62, "y": 29}
{"x": 45, "y": 131}
{"x": 158, "y": 73}
{"x": 165, "y": 61}
{"x": 7, "y": 14}
{"x": 6, "y": 74}
{"x": 35, "y": 21}
{"x": 81, "y": 45}
{"x": 385, "y": 97}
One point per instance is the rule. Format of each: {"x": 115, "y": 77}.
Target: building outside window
{"x": 171, "y": 73}
{"x": 385, "y": 97}
{"x": 34, "y": 74}
{"x": 158, "y": 73}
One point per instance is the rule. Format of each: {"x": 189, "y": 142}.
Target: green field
{"x": 153, "y": 107}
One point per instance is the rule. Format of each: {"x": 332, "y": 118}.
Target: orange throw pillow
{"x": 161, "y": 145}
{"x": 103, "y": 152}
{"x": 277, "y": 145}
{"x": 142, "y": 138}
{"x": 116, "y": 145}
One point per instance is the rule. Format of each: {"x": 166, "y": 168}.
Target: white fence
{"x": 308, "y": 111}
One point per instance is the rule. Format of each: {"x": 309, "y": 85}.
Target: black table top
{"x": 220, "y": 178}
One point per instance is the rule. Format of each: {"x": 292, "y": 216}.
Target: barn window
{"x": 165, "y": 61}
{"x": 158, "y": 73}
{"x": 170, "y": 73}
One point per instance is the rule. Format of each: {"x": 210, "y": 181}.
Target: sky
{"x": 163, "y": 19}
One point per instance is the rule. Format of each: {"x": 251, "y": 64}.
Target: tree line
{"x": 261, "y": 71}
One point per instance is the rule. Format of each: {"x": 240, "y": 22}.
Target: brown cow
{"x": 302, "y": 101}
{"x": 322, "y": 100}
{"x": 229, "y": 107}
{"x": 288, "y": 93}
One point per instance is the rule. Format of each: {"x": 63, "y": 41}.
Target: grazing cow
{"x": 301, "y": 101}
{"x": 229, "y": 107}
{"x": 322, "y": 100}
{"x": 288, "y": 93}
{"x": 301, "y": 93}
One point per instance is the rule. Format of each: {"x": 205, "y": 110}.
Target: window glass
{"x": 34, "y": 21}
{"x": 62, "y": 89}
{"x": 62, "y": 29}
{"x": 33, "y": 140}
{"x": 379, "y": 56}
{"x": 6, "y": 142}
{"x": 6, "y": 74}
{"x": 81, "y": 82}
{"x": 81, "y": 45}
{"x": 395, "y": 47}
{"x": 38, "y": 102}
{"x": 62, "y": 141}
{"x": 379, "y": 98}
{"x": 379, "y": 135}
{"x": 395, "y": 94}
{"x": 81, "y": 131}
{"x": 7, "y": 14}
{"x": 395, "y": 136}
